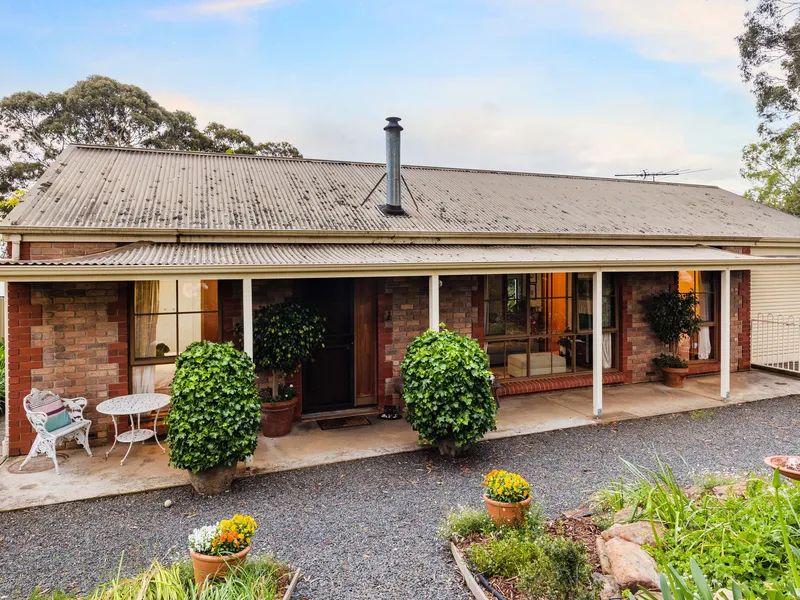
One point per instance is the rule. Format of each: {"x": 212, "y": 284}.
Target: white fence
{"x": 776, "y": 342}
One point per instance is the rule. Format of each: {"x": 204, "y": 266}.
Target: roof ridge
{"x": 379, "y": 164}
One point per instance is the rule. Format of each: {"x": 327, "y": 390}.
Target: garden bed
{"x": 261, "y": 578}
{"x": 525, "y": 562}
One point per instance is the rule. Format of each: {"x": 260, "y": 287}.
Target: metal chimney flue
{"x": 394, "y": 202}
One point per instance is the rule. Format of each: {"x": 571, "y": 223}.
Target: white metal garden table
{"x": 133, "y": 405}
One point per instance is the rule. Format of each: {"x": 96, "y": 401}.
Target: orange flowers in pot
{"x": 507, "y": 497}
{"x": 217, "y": 549}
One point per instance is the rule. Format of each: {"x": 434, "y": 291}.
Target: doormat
{"x": 343, "y": 422}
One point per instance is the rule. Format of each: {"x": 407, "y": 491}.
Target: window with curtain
{"x": 168, "y": 315}
{"x": 705, "y": 284}
{"x": 541, "y": 324}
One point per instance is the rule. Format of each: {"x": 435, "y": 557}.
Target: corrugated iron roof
{"x": 371, "y": 255}
{"x": 91, "y": 187}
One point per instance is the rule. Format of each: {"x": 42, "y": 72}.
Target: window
{"x": 705, "y": 284}
{"x": 541, "y": 324}
{"x": 168, "y": 315}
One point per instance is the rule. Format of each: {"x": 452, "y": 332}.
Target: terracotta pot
{"x": 507, "y": 513}
{"x": 211, "y": 567}
{"x": 780, "y": 463}
{"x": 673, "y": 377}
{"x": 212, "y": 481}
{"x": 449, "y": 448}
{"x": 277, "y": 417}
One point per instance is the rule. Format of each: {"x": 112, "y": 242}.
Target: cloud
{"x": 231, "y": 9}
{"x": 699, "y": 32}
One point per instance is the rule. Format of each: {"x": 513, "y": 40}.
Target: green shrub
{"x": 216, "y": 413}
{"x": 505, "y": 555}
{"x": 743, "y": 539}
{"x": 562, "y": 571}
{"x": 672, "y": 314}
{"x": 446, "y": 388}
{"x": 665, "y": 361}
{"x": 285, "y": 335}
{"x": 463, "y": 521}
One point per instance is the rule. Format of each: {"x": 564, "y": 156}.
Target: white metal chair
{"x": 45, "y": 442}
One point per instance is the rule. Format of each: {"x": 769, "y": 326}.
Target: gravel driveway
{"x": 367, "y": 529}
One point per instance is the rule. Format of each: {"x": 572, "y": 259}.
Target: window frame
{"x": 714, "y": 325}
{"x": 530, "y": 337}
{"x": 133, "y": 361}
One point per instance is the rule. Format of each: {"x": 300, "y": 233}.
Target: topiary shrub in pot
{"x": 672, "y": 315}
{"x": 285, "y": 335}
{"x": 215, "y": 415}
{"x": 446, "y": 390}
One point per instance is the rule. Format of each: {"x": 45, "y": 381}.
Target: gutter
{"x": 33, "y": 273}
{"x": 73, "y": 234}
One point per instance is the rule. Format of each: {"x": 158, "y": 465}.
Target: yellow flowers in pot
{"x": 507, "y": 497}
{"x": 503, "y": 486}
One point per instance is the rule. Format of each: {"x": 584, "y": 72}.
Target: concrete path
{"x": 146, "y": 468}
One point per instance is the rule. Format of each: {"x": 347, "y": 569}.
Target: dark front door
{"x": 328, "y": 379}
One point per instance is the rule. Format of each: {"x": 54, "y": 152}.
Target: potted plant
{"x": 507, "y": 497}
{"x": 285, "y": 335}
{"x": 220, "y": 548}
{"x": 446, "y": 390}
{"x": 672, "y": 315}
{"x": 215, "y": 414}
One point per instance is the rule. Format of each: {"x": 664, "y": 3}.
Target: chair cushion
{"x": 53, "y": 407}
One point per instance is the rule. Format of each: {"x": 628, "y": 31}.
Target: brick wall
{"x": 75, "y": 338}
{"x": 638, "y": 343}
{"x": 50, "y": 250}
{"x": 404, "y": 301}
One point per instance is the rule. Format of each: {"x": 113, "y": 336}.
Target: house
{"x": 121, "y": 257}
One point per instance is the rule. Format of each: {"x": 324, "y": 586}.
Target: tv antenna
{"x": 644, "y": 174}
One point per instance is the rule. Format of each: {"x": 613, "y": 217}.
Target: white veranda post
{"x": 247, "y": 323}
{"x": 247, "y": 315}
{"x": 597, "y": 343}
{"x": 433, "y": 302}
{"x": 725, "y": 335}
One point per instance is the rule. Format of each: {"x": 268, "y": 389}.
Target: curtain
{"x": 608, "y": 356}
{"x": 704, "y": 343}
{"x": 146, "y": 294}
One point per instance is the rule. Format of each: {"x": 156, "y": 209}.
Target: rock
{"x": 693, "y": 492}
{"x": 736, "y": 489}
{"x": 724, "y": 594}
{"x": 167, "y": 503}
{"x": 632, "y": 567}
{"x": 605, "y": 565}
{"x": 608, "y": 588}
{"x": 625, "y": 515}
{"x": 639, "y": 532}
{"x": 655, "y": 594}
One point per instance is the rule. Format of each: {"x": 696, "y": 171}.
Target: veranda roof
{"x": 226, "y": 261}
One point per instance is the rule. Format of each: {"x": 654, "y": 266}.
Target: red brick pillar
{"x": 23, "y": 319}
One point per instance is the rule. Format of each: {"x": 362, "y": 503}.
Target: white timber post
{"x": 433, "y": 302}
{"x": 247, "y": 323}
{"x": 725, "y": 336}
{"x": 247, "y": 314}
{"x": 597, "y": 343}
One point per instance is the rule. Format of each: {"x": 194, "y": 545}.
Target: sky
{"x": 582, "y": 87}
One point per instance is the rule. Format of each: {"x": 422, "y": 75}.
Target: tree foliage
{"x": 216, "y": 412}
{"x": 446, "y": 388}
{"x": 769, "y": 49}
{"x": 285, "y": 335}
{"x": 671, "y": 315}
{"x": 772, "y": 167}
{"x": 35, "y": 128}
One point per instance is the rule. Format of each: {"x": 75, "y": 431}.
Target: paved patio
{"x": 146, "y": 468}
